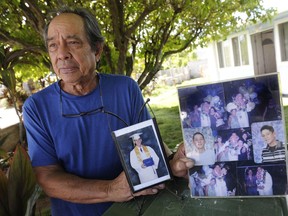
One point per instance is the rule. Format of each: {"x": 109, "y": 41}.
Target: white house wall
{"x": 215, "y": 73}
{"x": 282, "y": 66}
{"x": 228, "y": 73}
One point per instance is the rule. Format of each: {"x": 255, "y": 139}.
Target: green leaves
{"x": 143, "y": 32}
{"x": 19, "y": 186}
{"x": 4, "y": 194}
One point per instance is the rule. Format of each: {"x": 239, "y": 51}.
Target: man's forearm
{"x": 59, "y": 184}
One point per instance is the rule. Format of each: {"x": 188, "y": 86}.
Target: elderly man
{"x": 69, "y": 123}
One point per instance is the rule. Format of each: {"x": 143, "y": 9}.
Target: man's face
{"x": 138, "y": 142}
{"x": 234, "y": 137}
{"x": 217, "y": 170}
{"x": 269, "y": 137}
{"x": 239, "y": 98}
{"x": 68, "y": 48}
{"x": 199, "y": 141}
{"x": 206, "y": 107}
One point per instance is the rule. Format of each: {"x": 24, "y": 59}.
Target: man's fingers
{"x": 189, "y": 163}
{"x": 181, "y": 166}
{"x": 184, "y": 163}
{"x": 150, "y": 191}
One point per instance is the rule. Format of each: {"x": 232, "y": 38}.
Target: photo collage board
{"x": 235, "y": 133}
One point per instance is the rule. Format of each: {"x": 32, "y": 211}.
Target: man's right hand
{"x": 119, "y": 189}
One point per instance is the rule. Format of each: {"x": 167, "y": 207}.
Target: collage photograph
{"x": 228, "y": 125}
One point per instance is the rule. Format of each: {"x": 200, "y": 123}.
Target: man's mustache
{"x": 66, "y": 64}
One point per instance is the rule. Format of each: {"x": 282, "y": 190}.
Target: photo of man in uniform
{"x": 143, "y": 159}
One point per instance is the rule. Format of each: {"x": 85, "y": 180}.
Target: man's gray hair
{"x": 91, "y": 26}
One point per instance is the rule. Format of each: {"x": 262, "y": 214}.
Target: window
{"x": 244, "y": 50}
{"x": 220, "y": 54}
{"x": 236, "y": 51}
{"x": 240, "y": 50}
{"x": 283, "y": 34}
{"x": 226, "y": 53}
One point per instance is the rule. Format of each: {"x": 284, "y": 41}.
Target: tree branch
{"x": 33, "y": 14}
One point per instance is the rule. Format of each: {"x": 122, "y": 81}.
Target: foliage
{"x": 9, "y": 59}
{"x": 142, "y": 32}
{"x": 18, "y": 185}
{"x": 17, "y": 189}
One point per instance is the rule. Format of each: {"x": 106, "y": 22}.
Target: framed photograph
{"x": 268, "y": 135}
{"x": 142, "y": 155}
{"x": 232, "y": 127}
